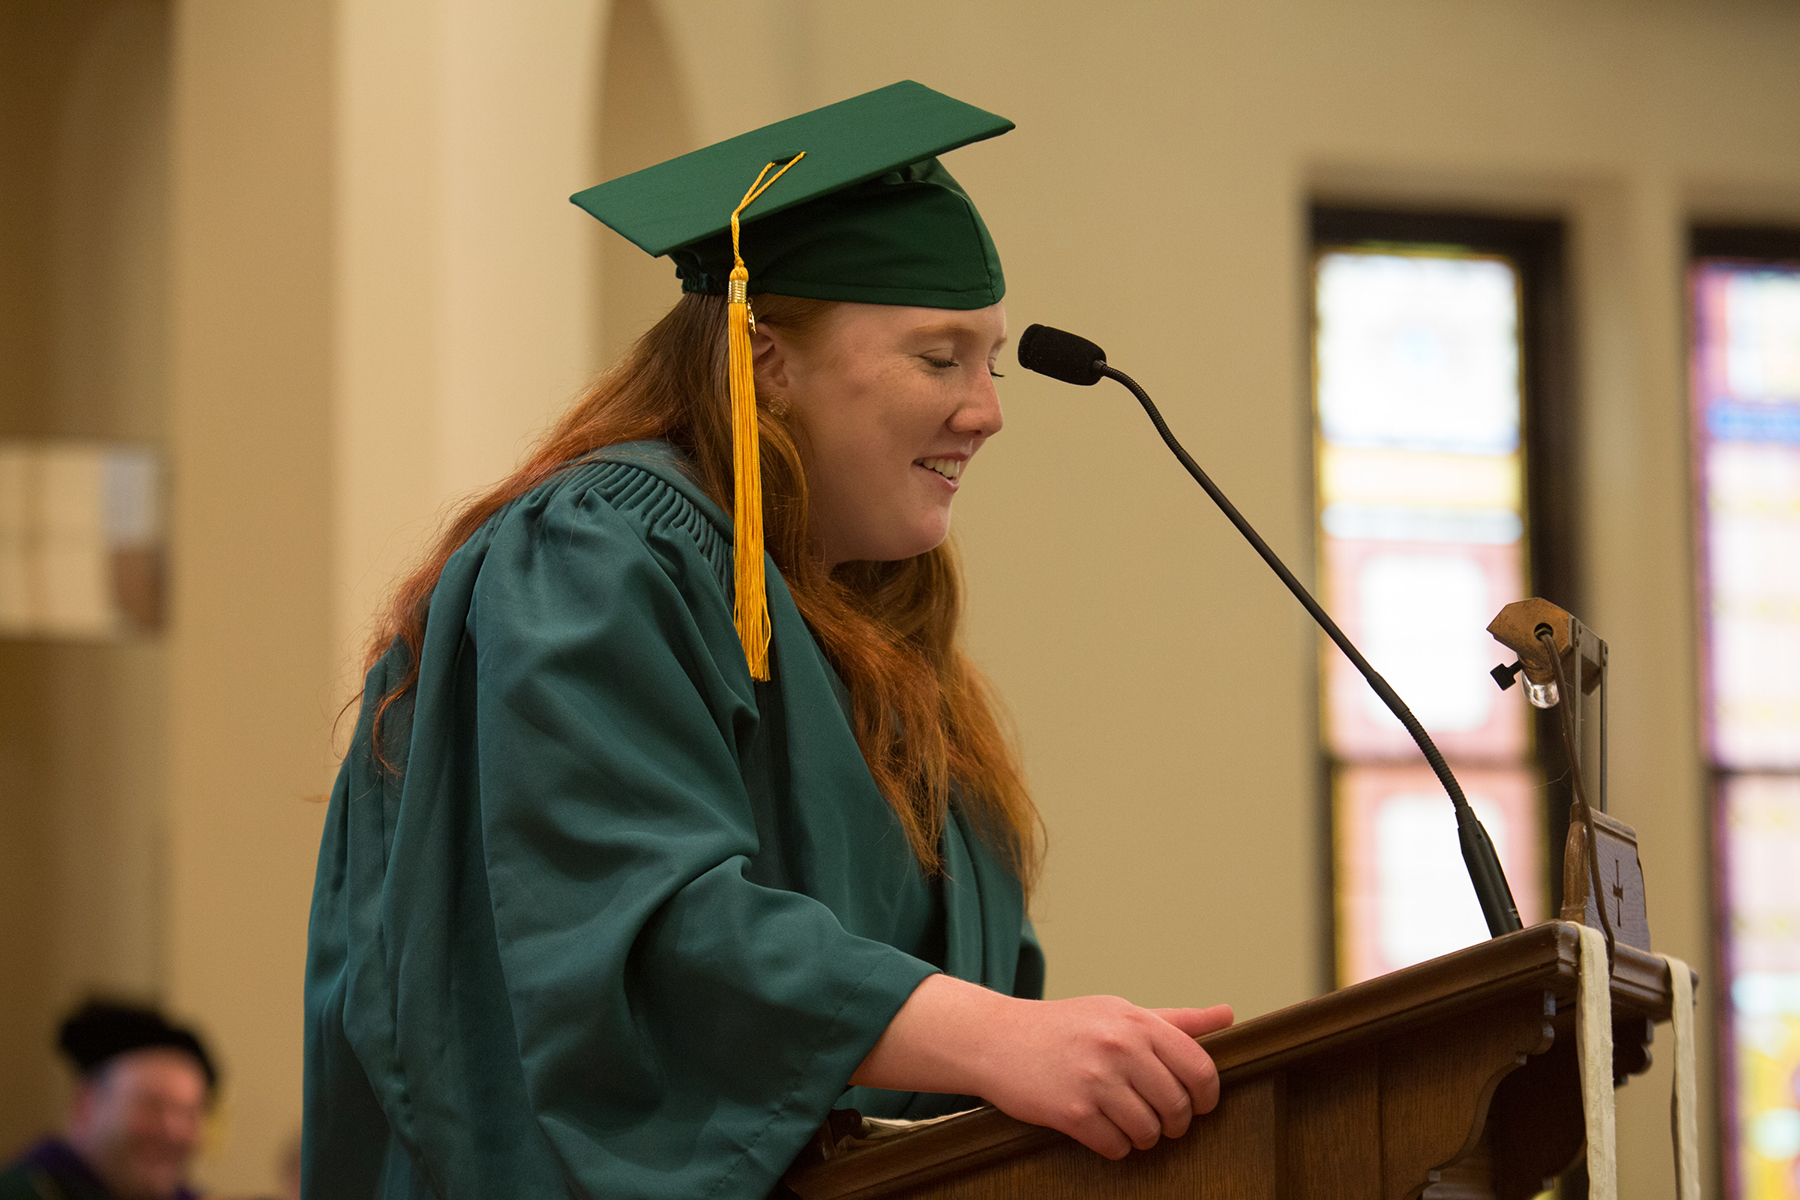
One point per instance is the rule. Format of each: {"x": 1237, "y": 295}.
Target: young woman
{"x": 619, "y": 895}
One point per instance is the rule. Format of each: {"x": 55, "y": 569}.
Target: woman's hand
{"x": 1109, "y": 1074}
{"x": 1105, "y": 1072}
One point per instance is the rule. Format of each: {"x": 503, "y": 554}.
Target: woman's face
{"x": 894, "y": 403}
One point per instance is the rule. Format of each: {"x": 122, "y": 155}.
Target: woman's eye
{"x": 993, "y": 374}
{"x": 942, "y": 364}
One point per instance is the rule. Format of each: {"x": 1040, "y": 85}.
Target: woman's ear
{"x": 769, "y": 356}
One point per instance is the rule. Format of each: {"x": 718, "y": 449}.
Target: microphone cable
{"x": 1580, "y": 811}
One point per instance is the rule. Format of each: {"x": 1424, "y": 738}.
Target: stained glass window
{"x": 1422, "y": 541}
{"x": 1746, "y": 372}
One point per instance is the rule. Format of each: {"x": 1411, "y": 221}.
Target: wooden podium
{"x": 1453, "y": 1078}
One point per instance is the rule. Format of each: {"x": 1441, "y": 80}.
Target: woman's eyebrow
{"x": 951, "y": 329}
{"x": 945, "y": 329}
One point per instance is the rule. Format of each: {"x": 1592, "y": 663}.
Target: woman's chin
{"x": 894, "y": 547}
{"x": 929, "y": 534}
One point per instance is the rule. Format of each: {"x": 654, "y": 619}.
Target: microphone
{"x": 1076, "y": 360}
{"x": 1061, "y": 355}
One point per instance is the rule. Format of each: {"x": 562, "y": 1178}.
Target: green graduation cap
{"x": 863, "y": 211}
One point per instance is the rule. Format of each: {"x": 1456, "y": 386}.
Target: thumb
{"x": 1196, "y": 1022}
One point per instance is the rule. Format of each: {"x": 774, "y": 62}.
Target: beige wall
{"x": 380, "y": 293}
{"x": 644, "y": 120}
{"x": 464, "y": 289}
{"x": 250, "y": 697}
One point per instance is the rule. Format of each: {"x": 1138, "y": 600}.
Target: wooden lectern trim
{"x": 1455, "y": 1028}
{"x": 1544, "y": 954}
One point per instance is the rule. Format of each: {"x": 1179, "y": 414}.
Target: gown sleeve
{"x": 680, "y": 1029}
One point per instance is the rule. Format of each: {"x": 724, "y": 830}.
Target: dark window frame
{"x": 1759, "y": 243}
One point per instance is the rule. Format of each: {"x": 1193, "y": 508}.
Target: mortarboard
{"x": 847, "y": 202}
{"x": 867, "y": 214}
{"x": 101, "y": 1030}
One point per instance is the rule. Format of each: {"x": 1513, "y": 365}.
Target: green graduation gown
{"x": 621, "y": 922}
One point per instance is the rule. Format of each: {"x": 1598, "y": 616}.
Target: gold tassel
{"x": 750, "y": 610}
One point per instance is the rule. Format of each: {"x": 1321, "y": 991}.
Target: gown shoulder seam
{"x": 659, "y": 508}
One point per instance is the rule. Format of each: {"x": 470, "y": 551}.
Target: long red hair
{"x": 924, "y": 716}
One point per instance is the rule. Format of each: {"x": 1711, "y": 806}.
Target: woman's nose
{"x": 979, "y": 412}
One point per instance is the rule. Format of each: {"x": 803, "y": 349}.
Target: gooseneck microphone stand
{"x": 1076, "y": 360}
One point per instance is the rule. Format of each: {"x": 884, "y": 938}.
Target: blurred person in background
{"x": 136, "y": 1119}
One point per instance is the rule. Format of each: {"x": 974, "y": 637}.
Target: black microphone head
{"x": 1060, "y": 355}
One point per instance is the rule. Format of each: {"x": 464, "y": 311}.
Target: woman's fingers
{"x": 1098, "y": 1133}
{"x": 1197, "y": 1022}
{"x": 1134, "y": 1117}
{"x": 1127, "y": 1118}
{"x": 1196, "y": 1071}
{"x": 1184, "y": 1058}
{"x": 1165, "y": 1086}
{"x": 1187, "y": 1062}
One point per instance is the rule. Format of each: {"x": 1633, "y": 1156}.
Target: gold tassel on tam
{"x": 751, "y": 607}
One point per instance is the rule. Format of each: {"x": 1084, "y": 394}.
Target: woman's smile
{"x": 948, "y": 469}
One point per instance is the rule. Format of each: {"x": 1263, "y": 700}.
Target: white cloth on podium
{"x": 1684, "y": 1117}
{"x": 1594, "y": 1050}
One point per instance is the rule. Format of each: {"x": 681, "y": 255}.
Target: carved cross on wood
{"x": 1585, "y": 898}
